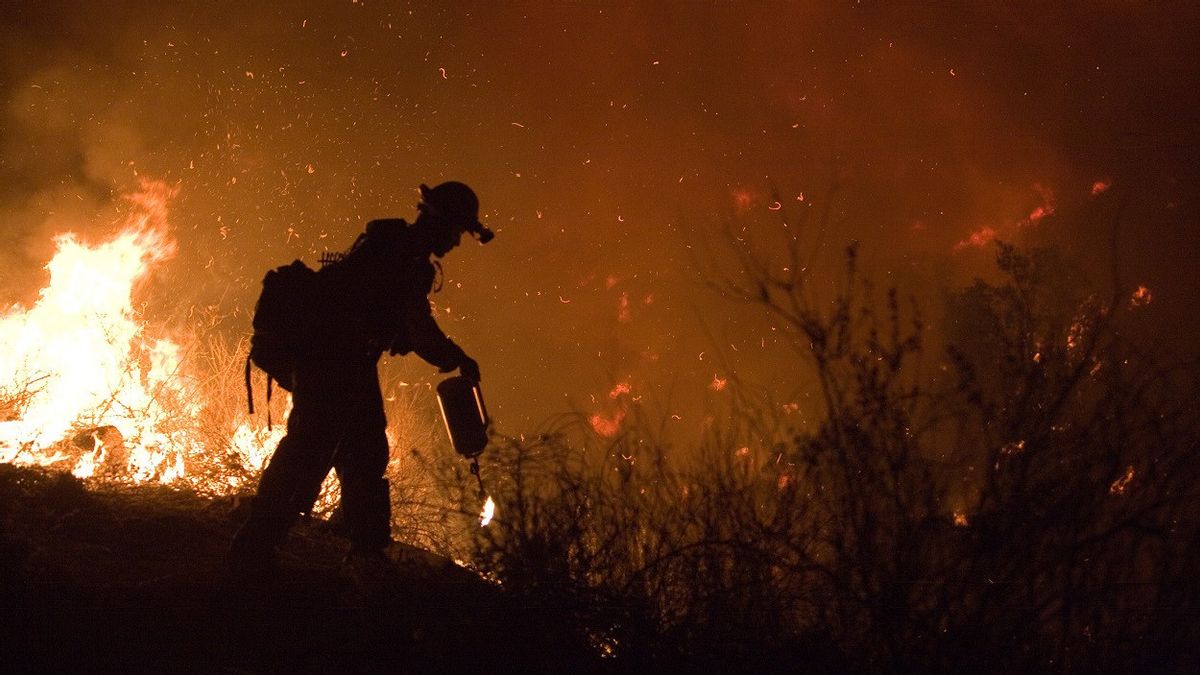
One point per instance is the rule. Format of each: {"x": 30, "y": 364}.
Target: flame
{"x": 489, "y": 510}
{"x": 608, "y": 426}
{"x": 981, "y": 237}
{"x": 78, "y": 352}
{"x": 1046, "y": 208}
{"x": 1141, "y": 297}
{"x": 1118, "y": 486}
{"x": 88, "y": 386}
{"x": 1100, "y": 187}
{"x": 619, "y": 389}
{"x": 960, "y": 519}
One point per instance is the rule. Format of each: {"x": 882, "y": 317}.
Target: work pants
{"x": 337, "y": 421}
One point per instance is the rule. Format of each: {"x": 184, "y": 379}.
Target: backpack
{"x": 282, "y": 317}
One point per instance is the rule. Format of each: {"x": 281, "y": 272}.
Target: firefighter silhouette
{"x": 372, "y": 299}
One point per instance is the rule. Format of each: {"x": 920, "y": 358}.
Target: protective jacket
{"x": 377, "y": 299}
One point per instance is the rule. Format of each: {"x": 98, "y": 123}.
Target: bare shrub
{"x": 1030, "y": 507}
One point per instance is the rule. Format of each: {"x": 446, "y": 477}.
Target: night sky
{"x": 610, "y": 143}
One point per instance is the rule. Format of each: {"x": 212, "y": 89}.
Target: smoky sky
{"x": 609, "y": 144}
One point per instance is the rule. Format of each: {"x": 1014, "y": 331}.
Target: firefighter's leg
{"x": 362, "y": 462}
{"x": 285, "y": 489}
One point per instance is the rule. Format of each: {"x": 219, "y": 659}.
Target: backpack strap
{"x": 249, "y": 388}
{"x": 250, "y": 393}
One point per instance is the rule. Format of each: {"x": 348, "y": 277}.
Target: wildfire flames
{"x": 489, "y": 510}
{"x": 86, "y": 386}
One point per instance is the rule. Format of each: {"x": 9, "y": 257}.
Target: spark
{"x": 620, "y": 388}
{"x": 1118, "y": 486}
{"x": 960, "y": 519}
{"x": 517, "y": 124}
{"x": 1100, "y": 187}
{"x": 1013, "y": 448}
{"x": 717, "y": 383}
{"x": 443, "y": 72}
{"x": 563, "y": 300}
{"x": 775, "y": 207}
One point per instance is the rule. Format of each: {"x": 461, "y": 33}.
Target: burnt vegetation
{"x": 1022, "y": 497}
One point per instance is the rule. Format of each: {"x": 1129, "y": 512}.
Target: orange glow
{"x": 623, "y": 313}
{"x": 960, "y": 519}
{"x": 1118, "y": 486}
{"x": 1046, "y": 208}
{"x": 97, "y": 387}
{"x": 1013, "y": 448}
{"x": 1100, "y": 187}
{"x": 742, "y": 199}
{"x": 608, "y": 426}
{"x": 981, "y": 237}
{"x": 1141, "y": 297}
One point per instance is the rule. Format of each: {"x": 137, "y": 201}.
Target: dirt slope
{"x": 130, "y": 580}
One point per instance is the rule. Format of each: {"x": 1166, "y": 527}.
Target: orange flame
{"x": 92, "y": 386}
{"x": 981, "y": 237}
{"x": 1118, "y": 486}
{"x": 608, "y": 426}
{"x": 1141, "y": 297}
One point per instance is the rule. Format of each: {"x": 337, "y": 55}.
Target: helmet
{"x": 457, "y": 203}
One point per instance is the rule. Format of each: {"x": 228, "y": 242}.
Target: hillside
{"x": 130, "y": 580}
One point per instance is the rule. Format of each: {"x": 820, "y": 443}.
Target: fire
{"x": 960, "y": 519}
{"x": 608, "y": 426}
{"x": 1046, "y": 208}
{"x": 619, "y": 389}
{"x": 981, "y": 237}
{"x": 1141, "y": 297}
{"x": 87, "y": 385}
{"x": 1118, "y": 486}
{"x": 489, "y": 510}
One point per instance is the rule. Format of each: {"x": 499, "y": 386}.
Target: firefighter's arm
{"x": 426, "y": 338}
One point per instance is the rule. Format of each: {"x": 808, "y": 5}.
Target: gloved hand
{"x": 469, "y": 369}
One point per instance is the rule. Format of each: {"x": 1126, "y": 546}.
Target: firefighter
{"x": 375, "y": 298}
